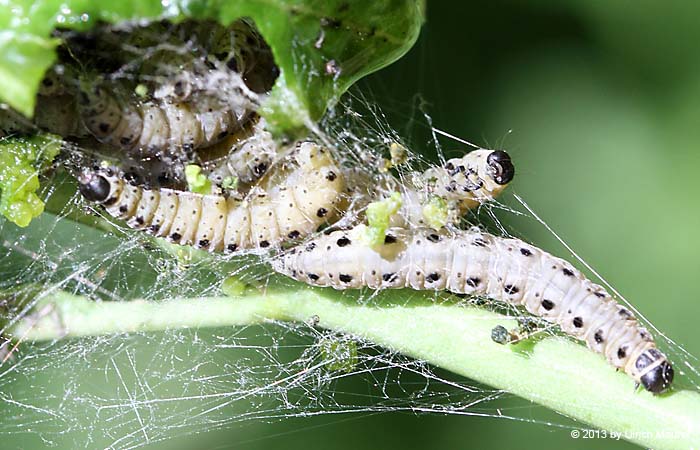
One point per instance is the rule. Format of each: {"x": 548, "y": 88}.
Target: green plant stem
{"x": 553, "y": 372}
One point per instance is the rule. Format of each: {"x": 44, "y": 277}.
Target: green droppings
{"x": 21, "y": 161}
{"x": 378, "y": 216}
{"x": 196, "y": 181}
{"x": 435, "y": 212}
{"x": 141, "y": 90}
{"x": 230, "y": 183}
{"x": 399, "y": 154}
{"x": 339, "y": 354}
{"x": 185, "y": 255}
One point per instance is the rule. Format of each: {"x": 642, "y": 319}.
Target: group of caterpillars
{"x": 300, "y": 204}
{"x": 312, "y": 192}
{"x": 158, "y": 93}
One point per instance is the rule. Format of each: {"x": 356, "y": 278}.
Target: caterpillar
{"x": 462, "y": 183}
{"x": 238, "y": 48}
{"x": 252, "y": 57}
{"x": 476, "y": 263}
{"x": 293, "y": 201}
{"x": 245, "y": 156}
{"x": 478, "y": 176}
{"x": 153, "y": 126}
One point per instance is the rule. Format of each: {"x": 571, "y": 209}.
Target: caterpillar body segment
{"x": 289, "y": 204}
{"x": 54, "y": 82}
{"x": 245, "y": 156}
{"x": 475, "y": 263}
{"x": 194, "y": 83}
{"x": 252, "y": 57}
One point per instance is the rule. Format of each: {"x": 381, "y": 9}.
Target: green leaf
{"x": 21, "y": 160}
{"x": 320, "y": 46}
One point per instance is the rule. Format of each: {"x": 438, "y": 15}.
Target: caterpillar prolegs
{"x": 476, "y": 263}
{"x": 305, "y": 192}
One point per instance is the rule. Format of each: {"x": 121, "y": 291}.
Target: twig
{"x": 553, "y": 372}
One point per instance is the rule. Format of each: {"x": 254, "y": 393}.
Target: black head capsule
{"x": 94, "y": 187}
{"x": 658, "y": 379}
{"x": 502, "y": 169}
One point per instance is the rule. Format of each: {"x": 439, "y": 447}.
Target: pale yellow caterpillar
{"x": 476, "y": 263}
{"x": 304, "y": 192}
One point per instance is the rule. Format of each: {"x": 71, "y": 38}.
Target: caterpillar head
{"x": 94, "y": 186}
{"x": 480, "y": 175}
{"x": 500, "y": 167}
{"x": 656, "y": 373}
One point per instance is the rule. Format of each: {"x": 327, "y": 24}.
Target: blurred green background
{"x": 599, "y": 105}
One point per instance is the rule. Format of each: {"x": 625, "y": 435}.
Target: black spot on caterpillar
{"x": 284, "y": 205}
{"x": 533, "y": 279}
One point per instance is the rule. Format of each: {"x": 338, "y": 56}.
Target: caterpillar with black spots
{"x": 305, "y": 192}
{"x": 152, "y": 127}
{"x": 245, "y": 156}
{"x": 462, "y": 183}
{"x": 478, "y": 176}
{"x": 197, "y": 97}
{"x": 476, "y": 263}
